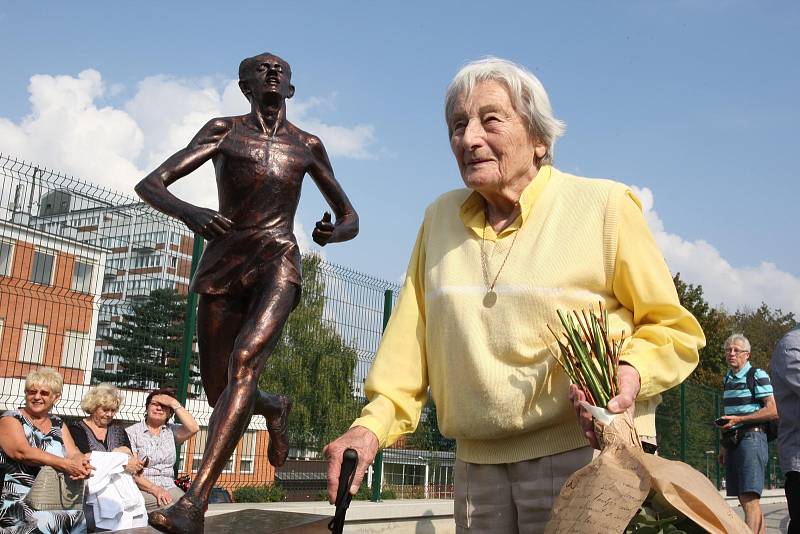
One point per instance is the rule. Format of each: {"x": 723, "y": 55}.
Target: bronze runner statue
{"x": 249, "y": 276}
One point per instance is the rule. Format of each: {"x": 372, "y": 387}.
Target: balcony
{"x": 138, "y": 293}
{"x": 144, "y": 246}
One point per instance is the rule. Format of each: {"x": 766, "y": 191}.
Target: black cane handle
{"x": 346, "y": 474}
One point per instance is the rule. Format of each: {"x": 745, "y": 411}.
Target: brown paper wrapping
{"x": 604, "y": 496}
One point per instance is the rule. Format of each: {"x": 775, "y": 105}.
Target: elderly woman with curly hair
{"x": 31, "y": 437}
{"x": 99, "y": 433}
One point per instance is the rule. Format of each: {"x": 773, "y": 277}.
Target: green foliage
{"x": 716, "y": 326}
{"x": 315, "y": 366}
{"x": 763, "y": 327}
{"x": 427, "y": 435}
{"x": 149, "y": 343}
{"x": 264, "y": 493}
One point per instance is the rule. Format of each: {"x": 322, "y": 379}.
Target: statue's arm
{"x": 346, "y": 226}
{"x": 153, "y": 187}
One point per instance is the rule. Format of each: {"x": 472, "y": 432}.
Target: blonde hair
{"x": 47, "y": 377}
{"x": 105, "y": 395}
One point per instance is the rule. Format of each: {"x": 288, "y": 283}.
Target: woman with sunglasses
{"x": 31, "y": 437}
{"x": 155, "y": 439}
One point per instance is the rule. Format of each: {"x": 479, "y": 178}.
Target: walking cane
{"x": 343, "y": 497}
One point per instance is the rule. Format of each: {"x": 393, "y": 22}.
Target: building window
{"x": 76, "y": 349}
{"x": 82, "y": 276}
{"x": 200, "y": 446}
{"x": 247, "y": 452}
{"x": 31, "y": 349}
{"x": 42, "y": 271}
{"x": 1, "y": 331}
{"x": 5, "y": 258}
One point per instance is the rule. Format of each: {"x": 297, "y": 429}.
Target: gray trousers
{"x": 512, "y": 498}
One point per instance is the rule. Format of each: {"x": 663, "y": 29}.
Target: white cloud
{"x": 723, "y": 284}
{"x": 69, "y": 131}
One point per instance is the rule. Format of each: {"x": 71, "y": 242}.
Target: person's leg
{"x": 792, "y": 490}
{"x": 751, "y": 504}
{"x": 535, "y": 485}
{"x": 267, "y": 312}
{"x": 752, "y": 453}
{"x": 482, "y": 500}
{"x": 219, "y": 321}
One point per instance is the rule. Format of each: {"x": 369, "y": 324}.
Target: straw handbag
{"x": 53, "y": 490}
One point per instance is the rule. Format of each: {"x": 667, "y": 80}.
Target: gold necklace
{"x": 490, "y": 298}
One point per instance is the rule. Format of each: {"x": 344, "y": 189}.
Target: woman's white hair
{"x": 46, "y": 377}
{"x": 102, "y": 395}
{"x": 733, "y": 338}
{"x": 527, "y": 95}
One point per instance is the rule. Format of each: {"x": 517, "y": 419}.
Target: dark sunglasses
{"x": 42, "y": 392}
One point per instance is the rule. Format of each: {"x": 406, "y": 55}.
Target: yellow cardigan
{"x": 497, "y": 389}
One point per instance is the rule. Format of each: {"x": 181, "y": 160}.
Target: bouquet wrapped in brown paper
{"x": 624, "y": 489}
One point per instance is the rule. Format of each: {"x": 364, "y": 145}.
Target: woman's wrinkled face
{"x": 102, "y": 416}
{"x": 490, "y": 140}
{"x": 40, "y": 399}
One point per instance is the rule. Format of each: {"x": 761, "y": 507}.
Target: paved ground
{"x": 776, "y": 517}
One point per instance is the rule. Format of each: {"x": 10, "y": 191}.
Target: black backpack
{"x": 770, "y": 427}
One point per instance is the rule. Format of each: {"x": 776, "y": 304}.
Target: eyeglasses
{"x": 159, "y": 405}
{"x": 42, "y": 393}
{"x": 736, "y": 351}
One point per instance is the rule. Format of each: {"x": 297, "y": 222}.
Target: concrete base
{"x": 401, "y": 516}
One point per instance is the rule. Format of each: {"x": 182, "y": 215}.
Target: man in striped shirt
{"x": 746, "y": 412}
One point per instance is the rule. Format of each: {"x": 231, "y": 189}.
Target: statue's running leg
{"x": 219, "y": 320}
{"x": 260, "y": 331}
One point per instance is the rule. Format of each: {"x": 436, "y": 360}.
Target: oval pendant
{"x": 489, "y": 299}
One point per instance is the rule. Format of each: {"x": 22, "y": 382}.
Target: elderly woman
{"x": 30, "y": 438}
{"x": 491, "y": 265}
{"x": 155, "y": 439}
{"x": 99, "y": 433}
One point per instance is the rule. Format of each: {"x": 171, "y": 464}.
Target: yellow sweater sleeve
{"x": 397, "y": 384}
{"x": 666, "y": 338}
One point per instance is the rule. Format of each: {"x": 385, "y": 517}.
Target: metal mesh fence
{"x": 94, "y": 284}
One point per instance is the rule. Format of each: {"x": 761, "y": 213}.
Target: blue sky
{"x": 693, "y": 103}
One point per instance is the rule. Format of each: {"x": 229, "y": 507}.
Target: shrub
{"x": 264, "y": 493}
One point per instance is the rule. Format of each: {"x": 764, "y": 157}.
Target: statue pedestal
{"x": 255, "y": 522}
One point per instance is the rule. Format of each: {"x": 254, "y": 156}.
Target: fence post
{"x": 377, "y": 466}
{"x": 189, "y": 328}
{"x": 683, "y": 421}
{"x": 717, "y": 413}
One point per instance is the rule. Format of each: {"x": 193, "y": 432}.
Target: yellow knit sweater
{"x": 497, "y": 389}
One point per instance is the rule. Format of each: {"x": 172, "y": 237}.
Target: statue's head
{"x": 265, "y": 74}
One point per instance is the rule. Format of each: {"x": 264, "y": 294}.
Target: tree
{"x": 763, "y": 327}
{"x": 148, "y": 341}
{"x": 716, "y": 326}
{"x": 314, "y": 366}
{"x": 427, "y": 435}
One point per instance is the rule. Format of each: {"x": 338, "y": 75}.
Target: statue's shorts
{"x": 246, "y": 259}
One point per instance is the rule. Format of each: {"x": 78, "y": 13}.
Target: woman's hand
{"x": 364, "y": 442}
{"x": 168, "y": 402}
{"x": 163, "y": 497}
{"x": 78, "y": 467}
{"x": 629, "y": 384}
{"x": 135, "y": 465}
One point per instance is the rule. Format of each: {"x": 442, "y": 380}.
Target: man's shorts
{"x": 745, "y": 464}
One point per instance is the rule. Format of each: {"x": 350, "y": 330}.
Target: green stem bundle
{"x": 588, "y": 356}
